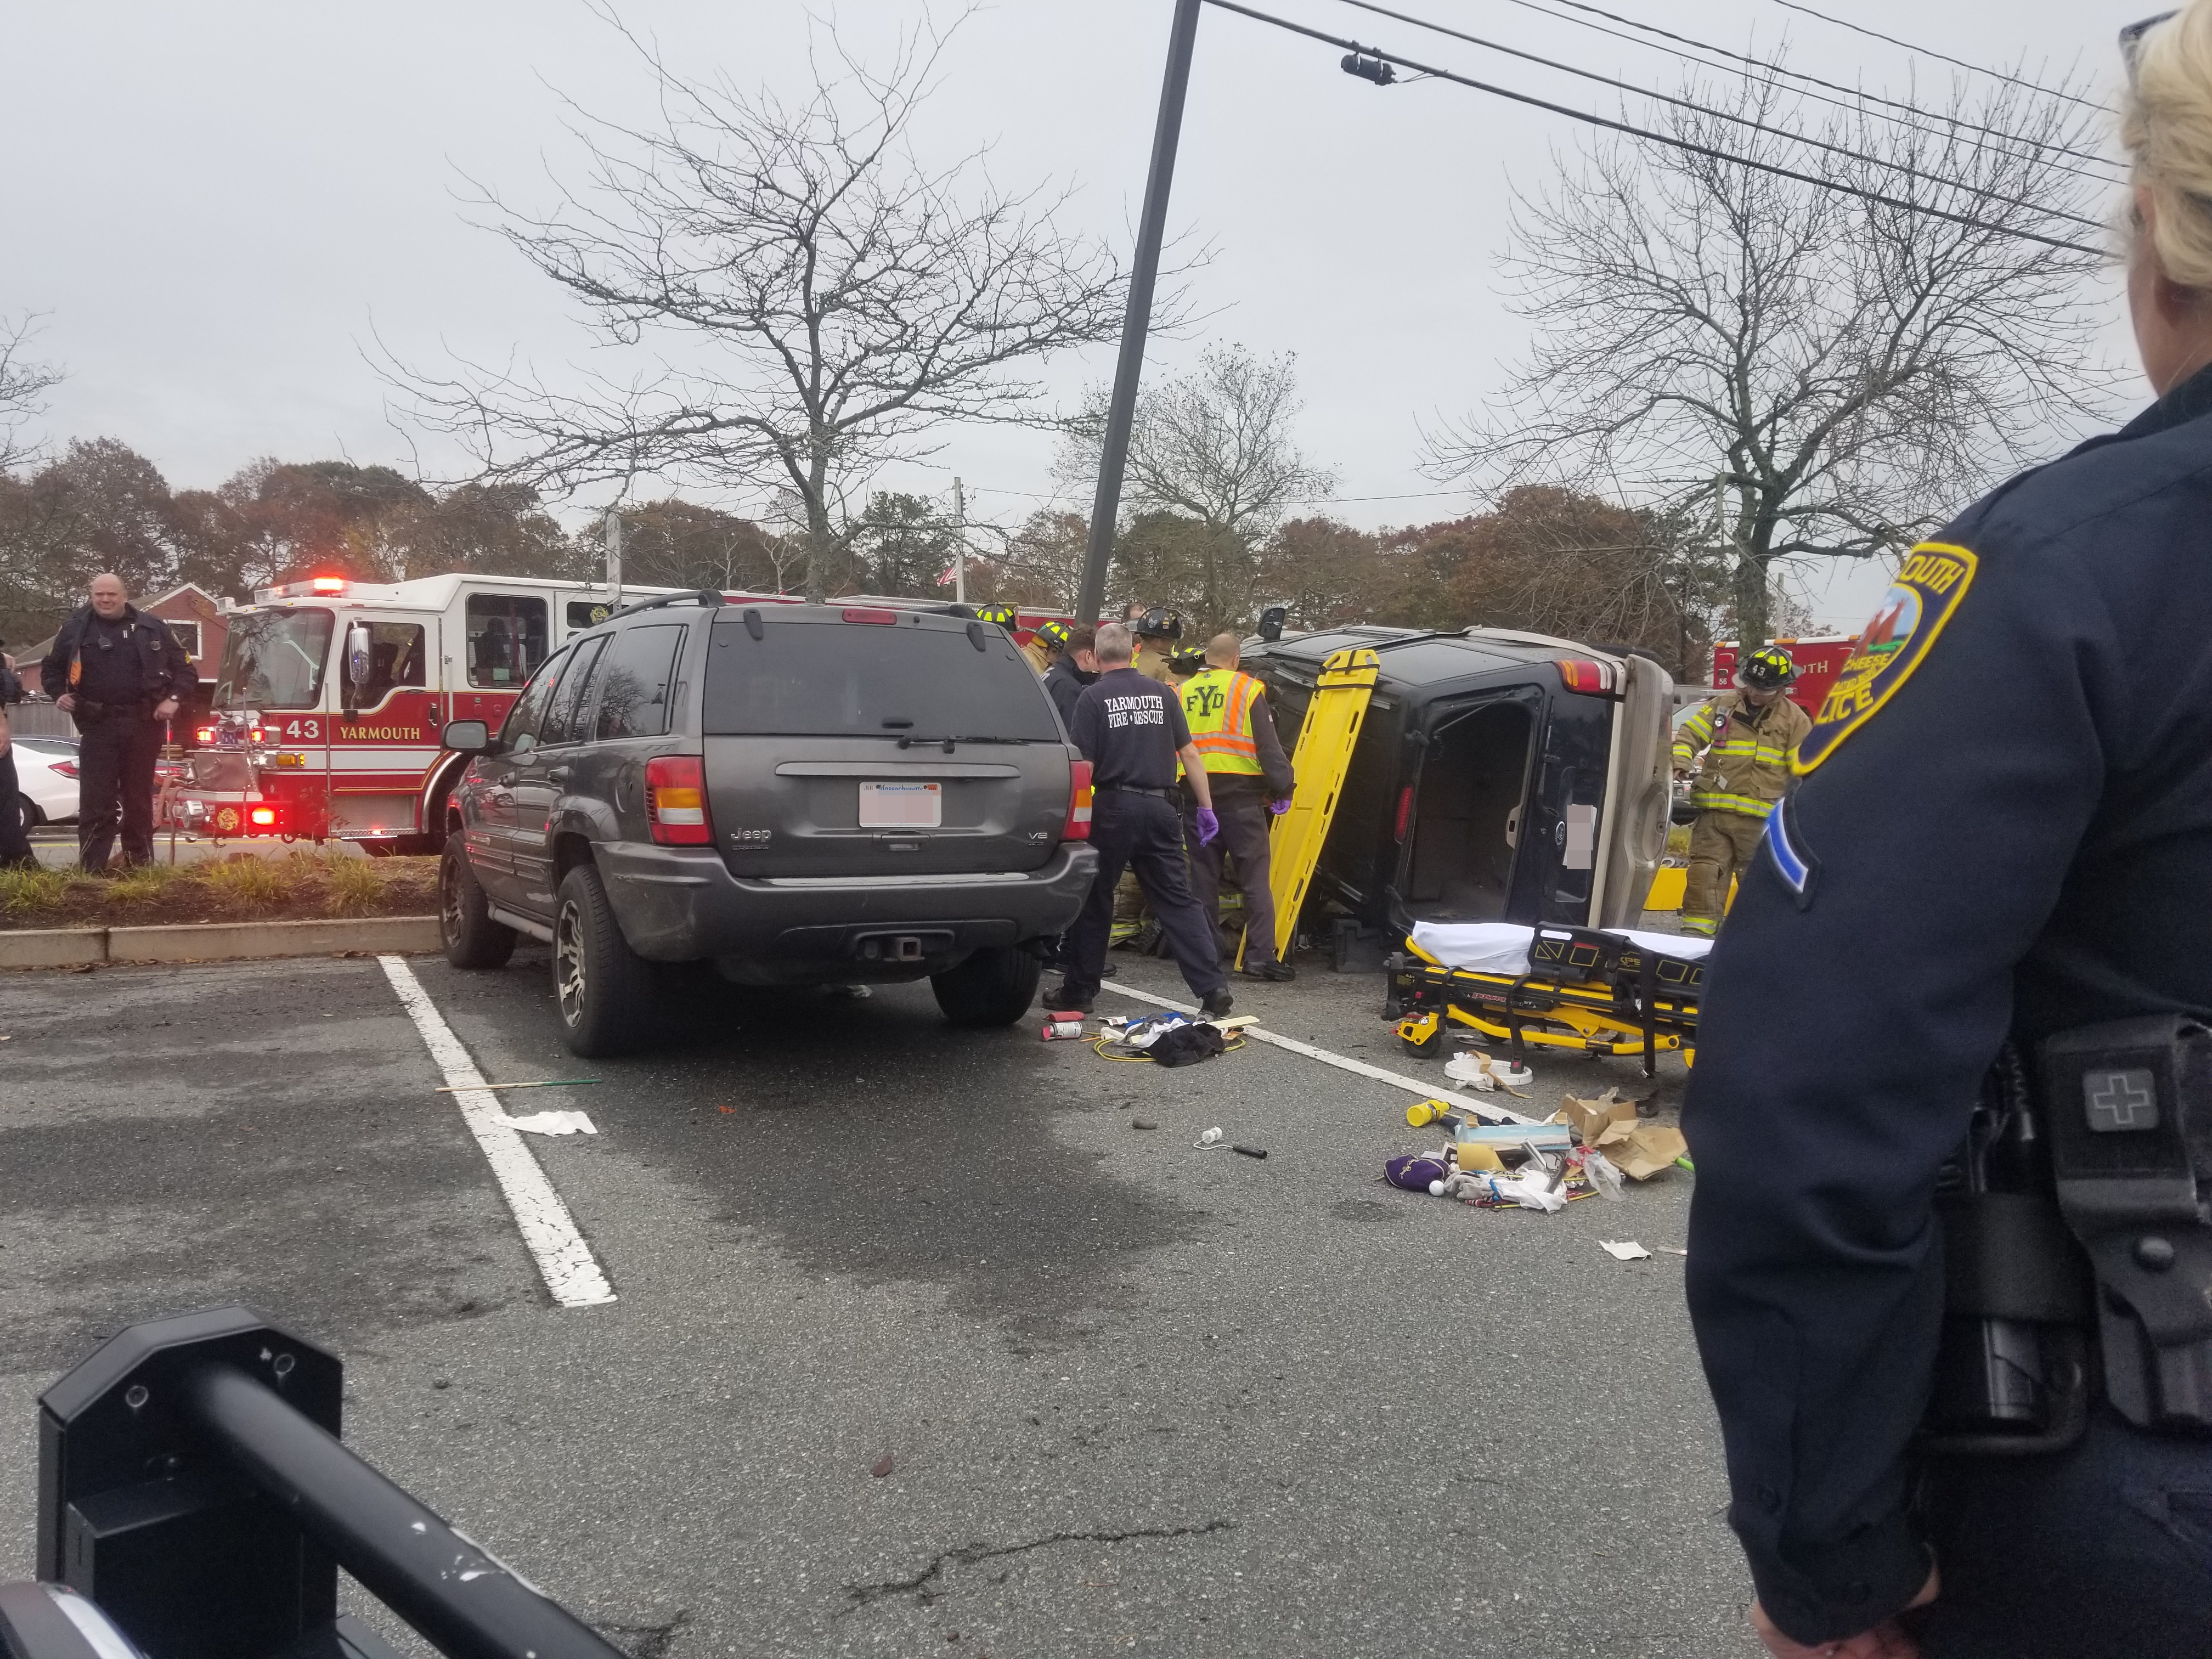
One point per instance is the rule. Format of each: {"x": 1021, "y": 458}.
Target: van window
{"x": 634, "y": 682}
{"x": 861, "y": 679}
{"x": 529, "y": 709}
{"x": 505, "y": 638}
{"x": 562, "y": 722}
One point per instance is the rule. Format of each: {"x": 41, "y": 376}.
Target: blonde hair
{"x": 2165, "y": 127}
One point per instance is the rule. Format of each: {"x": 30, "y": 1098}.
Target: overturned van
{"x": 1499, "y": 776}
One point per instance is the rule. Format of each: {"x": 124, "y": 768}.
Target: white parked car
{"x": 45, "y": 774}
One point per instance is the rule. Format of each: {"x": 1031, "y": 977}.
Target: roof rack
{"x": 705, "y": 596}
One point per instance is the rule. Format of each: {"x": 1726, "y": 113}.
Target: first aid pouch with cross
{"x": 2127, "y": 1108}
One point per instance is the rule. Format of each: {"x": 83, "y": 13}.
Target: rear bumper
{"x": 682, "y": 904}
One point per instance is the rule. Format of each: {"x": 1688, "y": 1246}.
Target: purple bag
{"x": 1413, "y": 1173}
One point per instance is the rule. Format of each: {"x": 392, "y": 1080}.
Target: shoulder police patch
{"x": 1927, "y": 591}
{"x": 1798, "y": 868}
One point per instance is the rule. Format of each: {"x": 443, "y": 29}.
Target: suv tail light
{"x": 1078, "y": 827}
{"x": 675, "y": 800}
{"x": 870, "y": 614}
{"x": 1592, "y": 679}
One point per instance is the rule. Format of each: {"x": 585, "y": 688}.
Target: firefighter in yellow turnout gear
{"x": 1250, "y": 780}
{"x": 1747, "y": 736}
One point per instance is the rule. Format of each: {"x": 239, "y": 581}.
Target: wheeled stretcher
{"x": 1597, "y": 992}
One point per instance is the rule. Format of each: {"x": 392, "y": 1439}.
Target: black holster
{"x": 2013, "y": 1366}
{"x": 2078, "y": 1243}
{"x": 2129, "y": 1108}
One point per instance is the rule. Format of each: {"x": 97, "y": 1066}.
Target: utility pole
{"x": 1144, "y": 273}
{"x": 614, "y": 537}
{"x": 959, "y": 545}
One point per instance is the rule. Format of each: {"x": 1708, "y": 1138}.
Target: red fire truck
{"x": 325, "y": 719}
{"x": 1819, "y": 660}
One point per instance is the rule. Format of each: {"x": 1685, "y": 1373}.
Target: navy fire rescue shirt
{"x": 2003, "y": 823}
{"x": 1129, "y": 726}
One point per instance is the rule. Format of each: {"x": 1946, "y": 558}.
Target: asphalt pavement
{"x": 1135, "y": 1396}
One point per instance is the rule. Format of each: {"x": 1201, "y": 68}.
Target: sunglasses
{"x": 2131, "y": 40}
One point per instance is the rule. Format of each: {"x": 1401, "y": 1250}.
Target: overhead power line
{"x": 1924, "y": 51}
{"x": 1858, "y": 95}
{"x": 1591, "y": 118}
{"x": 1788, "y": 133}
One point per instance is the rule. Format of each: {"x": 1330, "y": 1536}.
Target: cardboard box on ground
{"x": 1638, "y": 1149}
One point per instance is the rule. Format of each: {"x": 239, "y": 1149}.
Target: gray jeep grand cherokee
{"x": 796, "y": 793}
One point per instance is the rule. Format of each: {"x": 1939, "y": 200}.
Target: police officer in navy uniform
{"x": 1131, "y": 730}
{"x": 2001, "y": 834}
{"x": 119, "y": 674}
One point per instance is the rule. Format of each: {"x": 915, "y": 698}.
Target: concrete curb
{"x": 216, "y": 941}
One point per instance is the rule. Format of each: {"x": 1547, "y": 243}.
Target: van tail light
{"x": 1592, "y": 679}
{"x": 1405, "y": 812}
{"x": 675, "y": 800}
{"x": 1078, "y": 827}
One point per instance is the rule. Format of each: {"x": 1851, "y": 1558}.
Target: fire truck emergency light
{"x": 328, "y": 584}
{"x": 262, "y": 817}
{"x": 203, "y": 734}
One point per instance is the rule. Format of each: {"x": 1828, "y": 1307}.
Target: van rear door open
{"x": 1499, "y": 776}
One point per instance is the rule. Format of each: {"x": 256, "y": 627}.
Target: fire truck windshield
{"x": 274, "y": 659}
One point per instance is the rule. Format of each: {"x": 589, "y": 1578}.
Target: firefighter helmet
{"x": 1055, "y": 635}
{"x": 1767, "y": 669}
{"x": 1001, "y": 614}
{"x": 1158, "y": 624}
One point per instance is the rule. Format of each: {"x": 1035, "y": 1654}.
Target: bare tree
{"x": 23, "y": 386}
{"x": 818, "y": 299}
{"x": 1216, "y": 446}
{"x": 1844, "y": 373}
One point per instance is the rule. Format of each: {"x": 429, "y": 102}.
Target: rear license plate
{"x": 902, "y": 806}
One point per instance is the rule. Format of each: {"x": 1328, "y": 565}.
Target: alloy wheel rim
{"x": 449, "y": 900}
{"x": 569, "y": 964}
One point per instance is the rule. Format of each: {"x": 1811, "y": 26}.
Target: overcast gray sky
{"x": 213, "y": 205}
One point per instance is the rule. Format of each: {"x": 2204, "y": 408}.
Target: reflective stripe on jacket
{"x": 1746, "y": 752}
{"x": 1217, "y": 705}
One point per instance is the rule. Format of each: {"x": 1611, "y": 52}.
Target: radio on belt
{"x": 2130, "y": 1111}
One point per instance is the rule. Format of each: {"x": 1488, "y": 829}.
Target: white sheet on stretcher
{"x": 1502, "y": 947}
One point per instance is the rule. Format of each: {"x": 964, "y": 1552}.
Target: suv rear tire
{"x": 994, "y": 985}
{"x": 604, "y": 990}
{"x": 472, "y": 938}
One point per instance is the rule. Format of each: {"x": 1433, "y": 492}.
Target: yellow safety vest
{"x": 1217, "y": 705}
{"x": 1747, "y": 766}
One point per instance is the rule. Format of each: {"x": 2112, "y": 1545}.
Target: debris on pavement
{"x": 1251, "y": 1151}
{"x": 1210, "y": 1138}
{"x": 552, "y": 1123}
{"x": 1628, "y": 1251}
{"x": 882, "y": 1467}
{"x": 1619, "y": 1130}
{"x": 1481, "y": 1072}
{"x": 1142, "y": 1123}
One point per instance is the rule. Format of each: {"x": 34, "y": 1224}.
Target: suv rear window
{"x": 863, "y": 679}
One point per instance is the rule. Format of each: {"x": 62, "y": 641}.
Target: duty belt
{"x": 1136, "y": 789}
{"x": 2104, "y": 1168}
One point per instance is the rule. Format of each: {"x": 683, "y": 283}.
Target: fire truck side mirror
{"x": 360, "y": 661}
{"x": 468, "y": 738}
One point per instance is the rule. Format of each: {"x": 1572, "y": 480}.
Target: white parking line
{"x": 1345, "y": 1062}
{"x": 571, "y": 1271}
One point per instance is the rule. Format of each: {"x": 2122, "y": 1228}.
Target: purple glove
{"x": 1208, "y": 825}
{"x": 1279, "y": 807}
